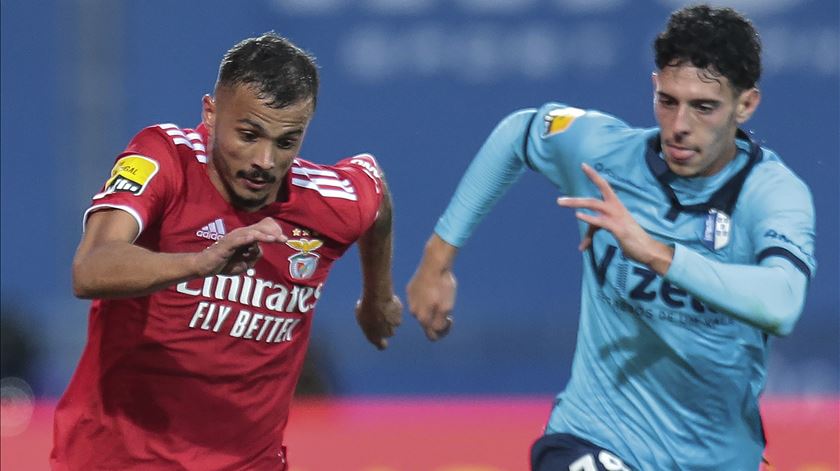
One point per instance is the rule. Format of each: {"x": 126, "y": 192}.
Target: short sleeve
{"x": 141, "y": 179}
{"x": 366, "y": 177}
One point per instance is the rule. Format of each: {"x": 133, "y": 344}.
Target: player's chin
{"x": 248, "y": 200}
{"x": 682, "y": 168}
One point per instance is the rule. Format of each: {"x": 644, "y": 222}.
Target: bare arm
{"x": 107, "y": 264}
{"x": 432, "y": 289}
{"x": 379, "y": 311}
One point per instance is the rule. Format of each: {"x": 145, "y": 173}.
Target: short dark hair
{"x": 280, "y": 72}
{"x": 719, "y": 39}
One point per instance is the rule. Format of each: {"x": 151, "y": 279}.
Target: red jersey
{"x": 200, "y": 375}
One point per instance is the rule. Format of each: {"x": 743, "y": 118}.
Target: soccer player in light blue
{"x": 698, "y": 245}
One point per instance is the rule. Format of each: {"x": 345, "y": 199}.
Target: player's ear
{"x": 748, "y": 101}
{"x": 208, "y": 112}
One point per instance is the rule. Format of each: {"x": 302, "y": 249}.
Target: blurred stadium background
{"x": 419, "y": 83}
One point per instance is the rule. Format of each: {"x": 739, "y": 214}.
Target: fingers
{"x": 437, "y": 325}
{"x": 599, "y": 181}
{"x": 267, "y": 230}
{"x": 379, "y": 321}
{"x": 269, "y": 227}
{"x": 592, "y": 204}
{"x": 586, "y": 242}
{"x": 441, "y": 329}
{"x": 249, "y": 254}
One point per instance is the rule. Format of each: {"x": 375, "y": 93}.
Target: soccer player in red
{"x": 205, "y": 254}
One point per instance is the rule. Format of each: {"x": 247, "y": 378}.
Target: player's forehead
{"x": 244, "y": 105}
{"x": 687, "y": 82}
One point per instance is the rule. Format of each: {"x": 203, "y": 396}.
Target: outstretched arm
{"x": 769, "y": 295}
{"x": 431, "y": 291}
{"x": 498, "y": 164}
{"x": 379, "y": 310}
{"x": 107, "y": 264}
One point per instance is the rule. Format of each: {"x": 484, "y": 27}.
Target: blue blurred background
{"x": 419, "y": 83}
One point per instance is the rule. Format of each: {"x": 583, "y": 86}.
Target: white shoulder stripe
{"x": 326, "y": 192}
{"x": 313, "y": 171}
{"x": 191, "y": 140}
{"x": 343, "y": 184}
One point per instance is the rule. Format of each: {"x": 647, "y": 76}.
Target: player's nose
{"x": 265, "y": 157}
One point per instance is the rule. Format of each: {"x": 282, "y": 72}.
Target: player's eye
{"x": 247, "y": 136}
{"x": 705, "y": 108}
{"x": 666, "y": 101}
{"x": 286, "y": 143}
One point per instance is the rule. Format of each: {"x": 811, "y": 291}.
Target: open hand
{"x": 611, "y": 214}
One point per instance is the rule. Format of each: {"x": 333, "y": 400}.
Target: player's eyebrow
{"x": 695, "y": 102}
{"x": 253, "y": 124}
{"x": 261, "y": 130}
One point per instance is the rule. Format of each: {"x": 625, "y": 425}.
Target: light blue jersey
{"x": 667, "y": 371}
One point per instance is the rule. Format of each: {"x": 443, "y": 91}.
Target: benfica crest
{"x": 303, "y": 264}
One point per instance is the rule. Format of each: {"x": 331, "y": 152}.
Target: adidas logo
{"x": 213, "y": 231}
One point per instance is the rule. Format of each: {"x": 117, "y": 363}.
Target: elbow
{"x": 782, "y": 330}
{"x": 81, "y": 290}
{"x": 784, "y": 323}
{"x": 82, "y": 287}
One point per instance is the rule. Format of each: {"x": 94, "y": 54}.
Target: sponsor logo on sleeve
{"x": 559, "y": 120}
{"x": 131, "y": 174}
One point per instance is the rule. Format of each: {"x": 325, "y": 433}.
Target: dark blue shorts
{"x": 564, "y": 452}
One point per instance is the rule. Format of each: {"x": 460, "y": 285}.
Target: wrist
{"x": 378, "y": 293}
{"x": 195, "y": 265}
{"x": 661, "y": 257}
{"x": 439, "y": 255}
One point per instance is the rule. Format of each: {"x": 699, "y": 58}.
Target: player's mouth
{"x": 256, "y": 180}
{"x": 679, "y": 154}
{"x": 254, "y": 185}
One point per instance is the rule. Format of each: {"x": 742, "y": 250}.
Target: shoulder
{"x": 159, "y": 153}
{"x": 348, "y": 181}
{"x": 347, "y": 194}
{"x": 561, "y": 137}
{"x": 773, "y": 182}
{"x": 774, "y": 196}
{"x": 170, "y": 146}
{"x": 554, "y": 118}
{"x": 560, "y": 126}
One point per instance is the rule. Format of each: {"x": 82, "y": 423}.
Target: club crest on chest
{"x": 716, "y": 230}
{"x": 302, "y": 265}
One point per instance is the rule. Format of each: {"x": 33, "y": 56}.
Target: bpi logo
{"x": 302, "y": 265}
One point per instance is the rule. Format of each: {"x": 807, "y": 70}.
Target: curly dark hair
{"x": 280, "y": 72}
{"x": 720, "y": 40}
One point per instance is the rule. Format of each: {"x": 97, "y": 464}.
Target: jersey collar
{"x": 723, "y": 199}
